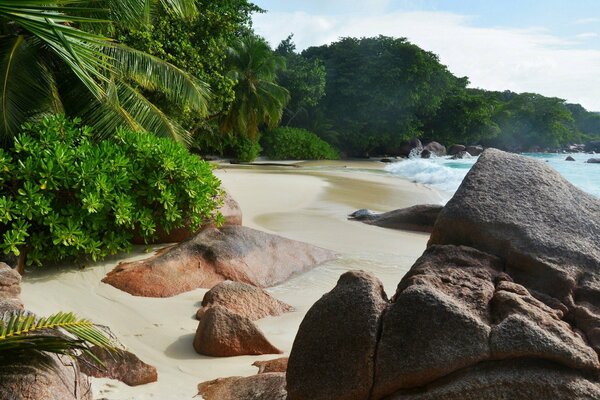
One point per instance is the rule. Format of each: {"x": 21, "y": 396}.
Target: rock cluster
{"x": 504, "y": 303}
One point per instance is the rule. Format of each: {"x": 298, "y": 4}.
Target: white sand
{"x": 308, "y": 204}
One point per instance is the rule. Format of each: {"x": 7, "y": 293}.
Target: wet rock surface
{"x": 420, "y": 218}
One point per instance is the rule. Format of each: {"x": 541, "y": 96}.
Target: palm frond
{"x": 62, "y": 333}
{"x": 152, "y": 73}
{"x": 21, "y": 75}
{"x": 80, "y": 50}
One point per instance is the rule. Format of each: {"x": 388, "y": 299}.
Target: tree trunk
{"x": 21, "y": 261}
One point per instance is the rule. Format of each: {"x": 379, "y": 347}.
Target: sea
{"x": 446, "y": 175}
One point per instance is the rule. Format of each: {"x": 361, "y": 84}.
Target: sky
{"x": 550, "y": 47}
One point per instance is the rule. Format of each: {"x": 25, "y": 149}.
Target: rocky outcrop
{"x": 592, "y": 147}
{"x": 411, "y": 147}
{"x": 456, "y": 149}
{"x": 333, "y": 356}
{"x": 230, "y": 210}
{"x": 416, "y": 218}
{"x": 231, "y": 253}
{"x": 245, "y": 300}
{"x": 593, "y": 161}
{"x": 222, "y": 333}
{"x": 275, "y": 365}
{"x": 475, "y": 150}
{"x": 120, "y": 365}
{"x": 461, "y": 155}
{"x": 504, "y": 303}
{"x": 268, "y": 386}
{"x": 435, "y": 149}
{"x": 569, "y": 158}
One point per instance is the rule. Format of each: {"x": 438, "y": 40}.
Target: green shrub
{"x": 242, "y": 148}
{"x": 286, "y": 143}
{"x": 64, "y": 195}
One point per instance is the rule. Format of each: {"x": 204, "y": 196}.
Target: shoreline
{"x": 309, "y": 204}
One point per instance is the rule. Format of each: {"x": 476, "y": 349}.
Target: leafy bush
{"x": 245, "y": 149}
{"x": 286, "y": 143}
{"x": 240, "y": 147}
{"x": 64, "y": 195}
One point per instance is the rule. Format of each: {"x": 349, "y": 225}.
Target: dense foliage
{"x": 287, "y": 143}
{"x": 379, "y": 90}
{"x": 197, "y": 45}
{"x": 259, "y": 100}
{"x": 303, "y": 78}
{"x": 56, "y": 58}
{"x": 382, "y": 91}
{"x": 64, "y": 195}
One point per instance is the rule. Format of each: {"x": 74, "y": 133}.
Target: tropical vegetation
{"x": 55, "y": 58}
{"x": 65, "y": 195}
{"x": 23, "y": 333}
{"x": 285, "y": 143}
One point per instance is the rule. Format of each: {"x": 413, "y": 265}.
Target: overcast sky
{"x": 550, "y": 47}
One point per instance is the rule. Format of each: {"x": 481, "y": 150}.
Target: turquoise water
{"x": 446, "y": 175}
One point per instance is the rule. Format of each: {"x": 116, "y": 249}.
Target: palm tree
{"x": 258, "y": 98}
{"x": 54, "y": 57}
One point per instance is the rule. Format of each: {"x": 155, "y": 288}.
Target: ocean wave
{"x": 446, "y": 175}
{"x": 434, "y": 172}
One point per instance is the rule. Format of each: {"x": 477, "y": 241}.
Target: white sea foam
{"x": 446, "y": 175}
{"x": 440, "y": 173}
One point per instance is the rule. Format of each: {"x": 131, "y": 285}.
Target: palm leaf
{"x": 61, "y": 333}
{"x": 52, "y": 24}
{"x": 21, "y": 75}
{"x": 152, "y": 73}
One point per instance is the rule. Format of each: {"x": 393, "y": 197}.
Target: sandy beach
{"x": 309, "y": 204}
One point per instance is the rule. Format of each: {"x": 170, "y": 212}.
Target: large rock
{"x": 333, "y": 356}
{"x": 593, "y": 147}
{"x": 544, "y": 228}
{"x": 475, "y": 150}
{"x": 519, "y": 379}
{"x": 421, "y": 217}
{"x": 456, "y": 149}
{"x": 230, "y": 210}
{"x": 435, "y": 148}
{"x": 593, "y": 161}
{"x": 438, "y": 322}
{"x": 504, "y": 303}
{"x": 231, "y": 253}
{"x": 245, "y": 300}
{"x": 412, "y": 147}
{"x": 222, "y": 333}
{"x": 120, "y": 365}
{"x": 42, "y": 377}
{"x": 268, "y": 386}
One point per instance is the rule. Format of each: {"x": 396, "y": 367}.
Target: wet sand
{"x": 310, "y": 204}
